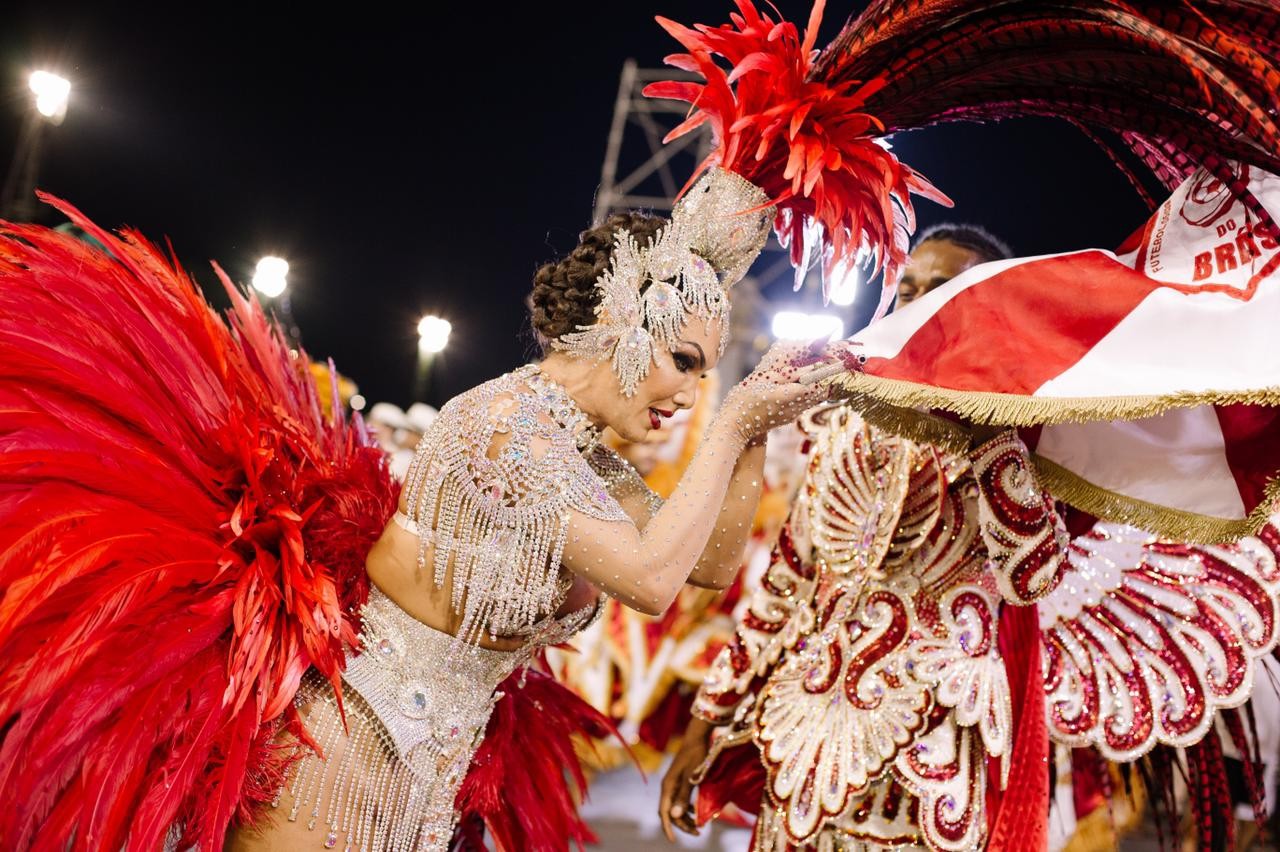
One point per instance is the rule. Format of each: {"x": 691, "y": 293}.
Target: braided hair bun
{"x": 564, "y": 291}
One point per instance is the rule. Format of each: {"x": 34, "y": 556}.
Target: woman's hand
{"x": 676, "y": 804}
{"x": 771, "y": 396}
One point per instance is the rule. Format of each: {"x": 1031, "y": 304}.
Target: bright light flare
{"x": 433, "y": 334}
{"x": 271, "y": 276}
{"x": 52, "y": 93}
{"x": 844, "y": 290}
{"x": 793, "y": 325}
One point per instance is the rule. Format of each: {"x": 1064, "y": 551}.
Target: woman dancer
{"x": 512, "y": 521}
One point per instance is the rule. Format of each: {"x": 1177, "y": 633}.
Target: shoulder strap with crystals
{"x": 491, "y": 487}
{"x": 621, "y": 478}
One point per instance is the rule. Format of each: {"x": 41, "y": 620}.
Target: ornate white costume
{"x": 868, "y": 669}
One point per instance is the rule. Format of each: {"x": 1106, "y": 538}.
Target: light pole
{"x": 49, "y": 106}
{"x": 433, "y": 337}
{"x": 271, "y": 279}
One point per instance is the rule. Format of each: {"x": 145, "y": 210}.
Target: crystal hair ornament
{"x": 648, "y": 294}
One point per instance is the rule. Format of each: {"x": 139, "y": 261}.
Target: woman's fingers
{"x": 817, "y": 372}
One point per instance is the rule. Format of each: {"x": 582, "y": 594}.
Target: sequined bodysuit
{"x": 489, "y": 496}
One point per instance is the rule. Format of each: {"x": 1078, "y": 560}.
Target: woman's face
{"x": 672, "y": 383}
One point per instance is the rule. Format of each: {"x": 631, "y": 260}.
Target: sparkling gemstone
{"x": 420, "y": 699}
{"x": 330, "y": 840}
{"x": 385, "y": 647}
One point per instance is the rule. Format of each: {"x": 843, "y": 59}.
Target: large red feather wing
{"x": 182, "y": 533}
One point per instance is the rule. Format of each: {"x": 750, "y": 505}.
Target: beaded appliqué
{"x": 491, "y": 489}
{"x": 1145, "y": 641}
{"x": 621, "y": 479}
{"x": 647, "y": 295}
{"x": 875, "y": 633}
{"x": 387, "y": 782}
{"x": 415, "y": 715}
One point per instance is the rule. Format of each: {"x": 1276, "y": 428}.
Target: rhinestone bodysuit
{"x": 489, "y": 496}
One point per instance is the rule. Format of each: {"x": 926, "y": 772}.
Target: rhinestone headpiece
{"x": 648, "y": 294}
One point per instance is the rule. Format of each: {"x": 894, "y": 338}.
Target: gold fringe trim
{"x": 1008, "y": 409}
{"x": 892, "y": 404}
{"x": 919, "y": 426}
{"x": 1166, "y": 522}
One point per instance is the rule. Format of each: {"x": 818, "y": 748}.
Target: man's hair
{"x": 986, "y": 245}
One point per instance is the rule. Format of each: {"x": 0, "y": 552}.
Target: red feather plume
{"x": 811, "y": 146}
{"x": 519, "y": 784}
{"x": 182, "y": 534}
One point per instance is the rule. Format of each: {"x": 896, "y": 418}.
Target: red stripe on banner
{"x": 1251, "y": 436}
{"x": 1021, "y": 327}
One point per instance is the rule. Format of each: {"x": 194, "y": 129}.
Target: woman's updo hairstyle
{"x": 564, "y": 291}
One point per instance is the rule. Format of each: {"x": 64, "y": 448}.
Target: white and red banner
{"x": 1154, "y": 372}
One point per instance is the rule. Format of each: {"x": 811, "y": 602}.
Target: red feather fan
{"x": 182, "y": 534}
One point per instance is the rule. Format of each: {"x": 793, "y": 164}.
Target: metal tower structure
{"x": 638, "y": 171}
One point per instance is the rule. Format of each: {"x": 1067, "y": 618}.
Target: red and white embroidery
{"x": 1145, "y": 641}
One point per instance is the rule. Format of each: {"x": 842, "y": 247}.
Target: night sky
{"x": 427, "y": 161}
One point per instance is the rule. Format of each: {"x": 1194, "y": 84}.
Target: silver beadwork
{"x": 500, "y": 522}
{"x": 647, "y": 295}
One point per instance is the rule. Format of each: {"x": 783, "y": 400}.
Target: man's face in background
{"x": 933, "y": 263}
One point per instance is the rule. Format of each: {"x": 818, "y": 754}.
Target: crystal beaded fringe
{"x": 389, "y": 781}
{"x": 500, "y": 524}
{"x": 367, "y": 799}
